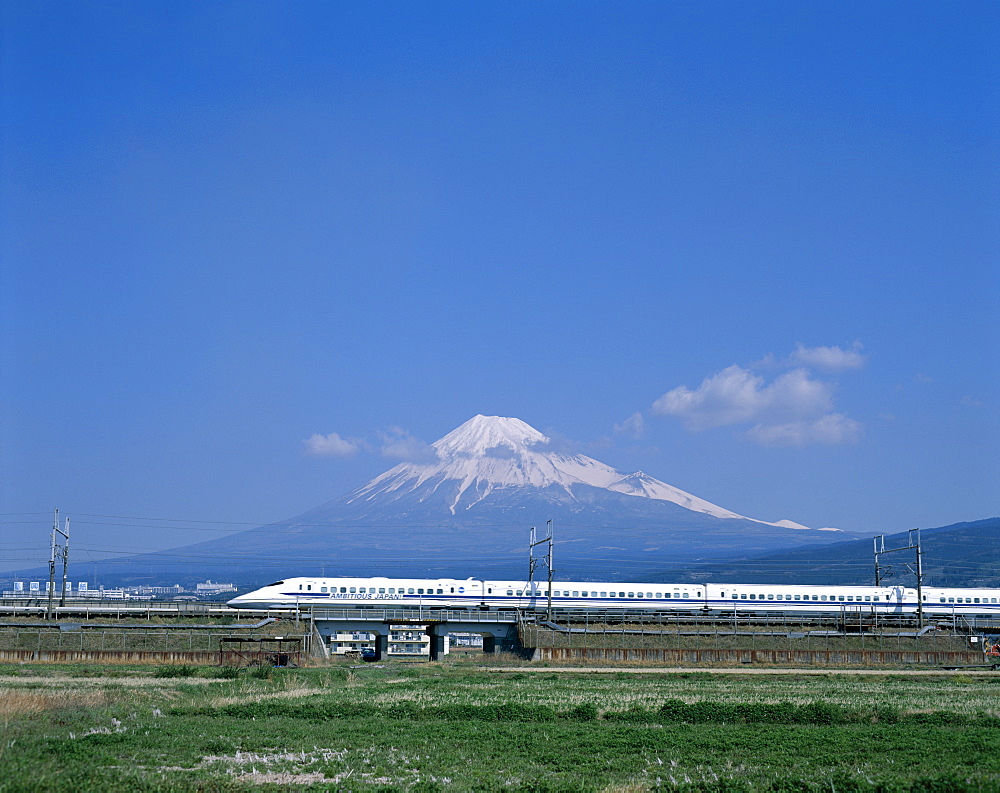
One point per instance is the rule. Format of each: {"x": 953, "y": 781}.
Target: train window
{"x": 822, "y": 597}
{"x": 951, "y": 600}
{"x": 510, "y": 591}
{"x": 631, "y": 594}
{"x": 409, "y": 591}
{"x": 353, "y": 589}
{"x": 770, "y": 597}
{"x": 322, "y": 589}
{"x": 685, "y": 594}
{"x": 300, "y": 587}
{"x": 613, "y": 594}
{"x": 736, "y": 596}
{"x": 604, "y": 594}
{"x": 381, "y": 590}
{"x": 849, "y": 597}
{"x": 875, "y": 598}
{"x": 942, "y": 600}
{"x": 753, "y": 597}
{"x": 660, "y": 594}
{"x": 993, "y": 600}
{"x": 309, "y": 587}
{"x": 520, "y": 592}
{"x": 420, "y": 591}
{"x": 583, "y": 594}
{"x": 743, "y": 597}
{"x": 781, "y": 597}
{"x": 488, "y": 591}
{"x": 440, "y": 591}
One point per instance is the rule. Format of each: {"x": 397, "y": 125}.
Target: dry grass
{"x": 20, "y": 702}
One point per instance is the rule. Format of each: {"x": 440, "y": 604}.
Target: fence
{"x": 741, "y": 640}
{"x": 112, "y": 646}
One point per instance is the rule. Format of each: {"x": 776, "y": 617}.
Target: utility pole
{"x": 550, "y": 532}
{"x": 920, "y": 581}
{"x": 879, "y": 541}
{"x": 62, "y": 551}
{"x": 65, "y": 558}
{"x": 913, "y": 538}
{"x": 533, "y": 561}
{"x": 52, "y": 564}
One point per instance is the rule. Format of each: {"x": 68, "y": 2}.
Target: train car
{"x": 473, "y": 593}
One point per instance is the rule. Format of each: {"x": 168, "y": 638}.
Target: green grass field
{"x": 457, "y": 726}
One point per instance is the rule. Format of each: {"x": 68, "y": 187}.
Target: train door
{"x": 481, "y": 589}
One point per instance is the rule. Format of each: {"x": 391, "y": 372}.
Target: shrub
{"x": 183, "y": 670}
{"x": 584, "y": 712}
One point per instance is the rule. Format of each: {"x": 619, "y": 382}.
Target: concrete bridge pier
{"x": 381, "y": 645}
{"x": 489, "y": 643}
{"x": 436, "y": 647}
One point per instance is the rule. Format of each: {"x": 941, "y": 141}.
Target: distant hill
{"x": 962, "y": 554}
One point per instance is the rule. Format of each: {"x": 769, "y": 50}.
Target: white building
{"x": 213, "y": 588}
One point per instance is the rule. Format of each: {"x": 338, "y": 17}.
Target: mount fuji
{"x": 465, "y": 508}
{"x": 492, "y": 461}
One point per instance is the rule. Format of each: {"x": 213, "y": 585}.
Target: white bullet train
{"x": 472, "y": 593}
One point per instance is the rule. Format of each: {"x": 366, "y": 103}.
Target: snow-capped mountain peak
{"x": 487, "y": 454}
{"x": 481, "y": 434}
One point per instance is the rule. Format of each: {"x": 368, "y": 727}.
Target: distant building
{"x": 213, "y": 588}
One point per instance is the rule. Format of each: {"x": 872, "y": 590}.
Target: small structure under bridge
{"x": 499, "y": 629}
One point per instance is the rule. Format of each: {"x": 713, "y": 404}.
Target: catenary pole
{"x": 65, "y": 558}
{"x": 52, "y": 563}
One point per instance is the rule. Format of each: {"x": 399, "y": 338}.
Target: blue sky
{"x": 748, "y": 248}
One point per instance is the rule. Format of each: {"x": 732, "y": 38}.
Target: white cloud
{"x": 738, "y": 396}
{"x": 832, "y": 429}
{"x": 795, "y": 409}
{"x": 331, "y": 445}
{"x": 829, "y": 359}
{"x": 634, "y": 426}
{"x": 398, "y": 444}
